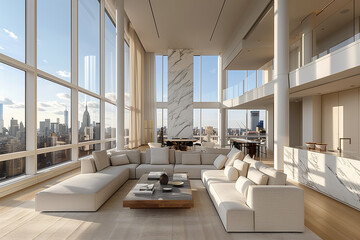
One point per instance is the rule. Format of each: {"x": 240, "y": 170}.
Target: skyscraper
{"x": 254, "y": 119}
{"x": 66, "y": 117}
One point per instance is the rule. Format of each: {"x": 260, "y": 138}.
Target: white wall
{"x": 340, "y": 118}
{"x": 311, "y": 119}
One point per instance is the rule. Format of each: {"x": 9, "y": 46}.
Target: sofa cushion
{"x": 275, "y": 177}
{"x": 145, "y": 168}
{"x": 133, "y": 155}
{"x": 235, "y": 215}
{"x": 88, "y": 165}
{"x": 242, "y": 167}
{"x": 231, "y": 173}
{"x": 159, "y": 156}
{"x": 191, "y": 159}
{"x": 242, "y": 185}
{"x": 148, "y": 156}
{"x": 253, "y": 163}
{"x": 208, "y": 158}
{"x": 209, "y": 177}
{"x": 101, "y": 159}
{"x": 257, "y": 177}
{"x": 220, "y": 161}
{"x": 194, "y": 171}
{"x": 234, "y": 154}
{"x": 118, "y": 160}
{"x": 178, "y": 157}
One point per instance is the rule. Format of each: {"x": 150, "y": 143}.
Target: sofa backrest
{"x": 148, "y": 156}
{"x": 133, "y": 155}
{"x": 206, "y": 158}
{"x": 224, "y": 151}
{"x": 275, "y": 177}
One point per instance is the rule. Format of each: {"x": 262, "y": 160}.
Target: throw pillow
{"x": 239, "y": 155}
{"x": 232, "y": 152}
{"x": 257, "y": 177}
{"x": 242, "y": 185}
{"x": 275, "y": 177}
{"x": 191, "y": 159}
{"x": 159, "y": 156}
{"x": 242, "y": 167}
{"x": 88, "y": 165}
{"x": 119, "y": 160}
{"x": 220, "y": 161}
{"x": 231, "y": 173}
{"x": 101, "y": 160}
{"x": 133, "y": 155}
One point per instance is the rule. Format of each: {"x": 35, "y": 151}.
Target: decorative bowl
{"x": 310, "y": 145}
{"x": 177, "y": 184}
{"x": 321, "y": 147}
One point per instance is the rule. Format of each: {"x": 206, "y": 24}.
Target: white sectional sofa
{"x": 278, "y": 207}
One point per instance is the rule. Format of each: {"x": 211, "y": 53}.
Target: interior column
{"x": 120, "y": 105}
{"x": 222, "y": 115}
{"x": 281, "y": 87}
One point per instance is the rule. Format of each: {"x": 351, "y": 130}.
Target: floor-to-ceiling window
{"x": 127, "y": 92}
{"x": 161, "y": 76}
{"x": 57, "y": 101}
{"x": 206, "y": 93}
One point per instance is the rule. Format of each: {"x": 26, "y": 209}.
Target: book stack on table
{"x": 143, "y": 189}
{"x": 155, "y": 175}
{"x": 180, "y": 177}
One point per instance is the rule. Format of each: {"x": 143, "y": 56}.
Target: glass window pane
{"x": 235, "y": 83}
{"x": 165, "y": 122}
{"x": 54, "y": 37}
{"x": 110, "y": 120}
{"x": 89, "y": 45}
{"x": 210, "y": 117}
{"x": 236, "y": 125}
{"x": 53, "y": 108}
{"x": 89, "y": 118}
{"x": 127, "y": 126}
{"x": 52, "y": 158}
{"x": 196, "y": 129}
{"x": 209, "y": 78}
{"x": 196, "y": 78}
{"x": 158, "y": 75}
{"x": 159, "y": 120}
{"x": 110, "y": 58}
{"x": 12, "y": 110}
{"x": 12, "y": 29}
{"x": 251, "y": 80}
{"x": 165, "y": 78}
{"x": 88, "y": 149}
{"x": 127, "y": 74}
{"x": 110, "y": 145}
{"x": 260, "y": 77}
{"x": 12, "y": 168}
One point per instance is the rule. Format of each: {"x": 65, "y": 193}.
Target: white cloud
{"x": 63, "y": 96}
{"x": 45, "y": 61}
{"x": 2, "y": 48}
{"x": 1, "y": 68}
{"x": 111, "y": 96}
{"x": 45, "y": 105}
{"x": 6, "y": 101}
{"x": 11, "y": 34}
{"x": 64, "y": 73}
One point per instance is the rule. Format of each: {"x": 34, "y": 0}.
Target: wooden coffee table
{"x": 179, "y": 197}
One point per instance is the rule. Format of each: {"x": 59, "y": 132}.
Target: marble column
{"x": 180, "y": 93}
{"x": 281, "y": 86}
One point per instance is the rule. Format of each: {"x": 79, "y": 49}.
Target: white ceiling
{"x": 190, "y": 23}
{"x": 185, "y": 23}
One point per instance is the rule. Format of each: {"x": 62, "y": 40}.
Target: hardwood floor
{"x": 324, "y": 216}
